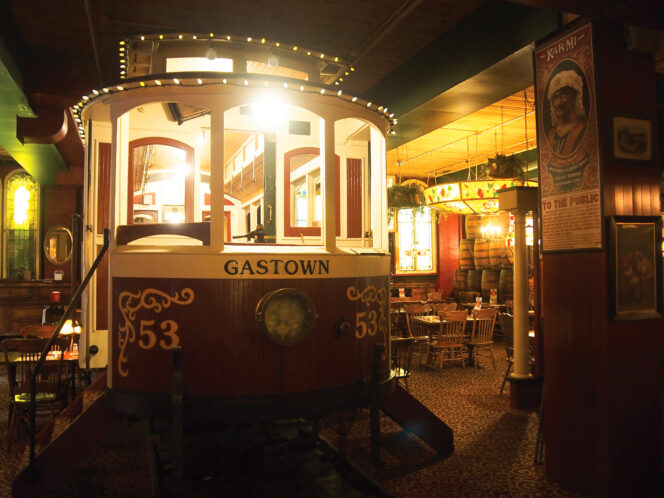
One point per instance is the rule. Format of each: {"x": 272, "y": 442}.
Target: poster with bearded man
{"x": 570, "y": 190}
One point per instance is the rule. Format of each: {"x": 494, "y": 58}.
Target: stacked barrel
{"x": 485, "y": 261}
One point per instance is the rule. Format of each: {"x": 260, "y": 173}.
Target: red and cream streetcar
{"x": 245, "y": 197}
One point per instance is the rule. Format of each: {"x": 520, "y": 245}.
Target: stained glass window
{"x": 416, "y": 242}
{"x": 21, "y": 224}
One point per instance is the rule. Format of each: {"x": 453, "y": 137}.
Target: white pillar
{"x": 521, "y": 349}
{"x": 217, "y": 220}
{"x": 329, "y": 186}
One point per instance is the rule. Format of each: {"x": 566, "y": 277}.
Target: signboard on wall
{"x": 569, "y": 173}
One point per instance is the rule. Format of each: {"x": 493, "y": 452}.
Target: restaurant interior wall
{"x": 603, "y": 378}
{"x": 22, "y": 301}
{"x": 449, "y": 232}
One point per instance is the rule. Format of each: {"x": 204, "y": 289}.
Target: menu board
{"x": 569, "y": 174}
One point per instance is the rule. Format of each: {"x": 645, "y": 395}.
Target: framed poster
{"x": 632, "y": 139}
{"x": 569, "y": 173}
{"x": 636, "y": 267}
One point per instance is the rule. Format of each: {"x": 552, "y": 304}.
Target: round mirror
{"x": 58, "y": 245}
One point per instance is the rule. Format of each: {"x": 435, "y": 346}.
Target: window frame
{"x": 189, "y": 178}
{"x": 434, "y": 247}
{"x": 4, "y": 205}
{"x": 291, "y": 230}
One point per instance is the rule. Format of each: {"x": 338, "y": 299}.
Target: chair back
{"x": 483, "y": 325}
{"x": 507, "y": 328}
{"x": 436, "y": 294}
{"x": 413, "y": 310}
{"x": 439, "y": 308}
{"x": 402, "y": 354}
{"x": 21, "y": 355}
{"x": 452, "y": 325}
{"x": 397, "y": 318}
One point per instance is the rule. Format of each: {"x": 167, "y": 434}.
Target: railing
{"x": 32, "y": 470}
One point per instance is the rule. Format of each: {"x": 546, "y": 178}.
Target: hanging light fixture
{"x": 479, "y": 196}
{"x": 470, "y": 197}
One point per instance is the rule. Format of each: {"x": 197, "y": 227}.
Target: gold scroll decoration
{"x": 366, "y": 322}
{"x": 149, "y": 299}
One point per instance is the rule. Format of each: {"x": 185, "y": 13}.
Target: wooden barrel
{"x": 466, "y": 261}
{"x": 474, "y": 281}
{"x": 481, "y": 254}
{"x": 508, "y": 260}
{"x": 497, "y": 249}
{"x": 474, "y": 226}
{"x": 490, "y": 279}
{"x": 460, "y": 279}
{"x": 506, "y": 284}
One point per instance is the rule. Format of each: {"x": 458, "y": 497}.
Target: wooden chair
{"x": 450, "y": 343}
{"x": 481, "y": 339}
{"x": 419, "y": 332}
{"x": 436, "y": 295}
{"x": 402, "y": 355}
{"x": 438, "y": 308}
{"x": 397, "y": 319}
{"x": 21, "y": 355}
{"x": 507, "y": 325}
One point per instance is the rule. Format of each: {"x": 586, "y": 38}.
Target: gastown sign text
{"x": 278, "y": 267}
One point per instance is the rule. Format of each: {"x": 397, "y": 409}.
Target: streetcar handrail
{"x": 32, "y": 471}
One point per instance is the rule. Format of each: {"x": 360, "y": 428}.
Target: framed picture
{"x": 635, "y": 254}
{"x": 632, "y": 138}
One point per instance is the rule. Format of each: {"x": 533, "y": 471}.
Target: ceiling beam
{"x": 493, "y": 32}
{"x": 41, "y": 161}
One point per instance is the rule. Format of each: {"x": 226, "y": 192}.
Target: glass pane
{"x": 301, "y": 215}
{"x": 406, "y": 239}
{"x": 304, "y": 172}
{"x": 352, "y": 147}
{"x": 22, "y": 210}
{"x": 159, "y": 176}
{"x": 416, "y": 244}
{"x": 248, "y": 172}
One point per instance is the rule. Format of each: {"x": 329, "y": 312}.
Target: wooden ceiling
{"x": 73, "y": 45}
{"x": 505, "y": 127}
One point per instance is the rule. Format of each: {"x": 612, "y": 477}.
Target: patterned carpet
{"x": 494, "y": 448}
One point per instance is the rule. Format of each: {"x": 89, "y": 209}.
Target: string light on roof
{"x": 196, "y": 81}
{"x": 245, "y": 39}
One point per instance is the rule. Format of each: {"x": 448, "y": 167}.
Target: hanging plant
{"x": 405, "y": 196}
{"x": 505, "y": 167}
{"x": 408, "y": 196}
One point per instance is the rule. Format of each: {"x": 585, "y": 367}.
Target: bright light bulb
{"x": 269, "y": 111}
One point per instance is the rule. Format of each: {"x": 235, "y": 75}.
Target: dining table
{"x": 70, "y": 360}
